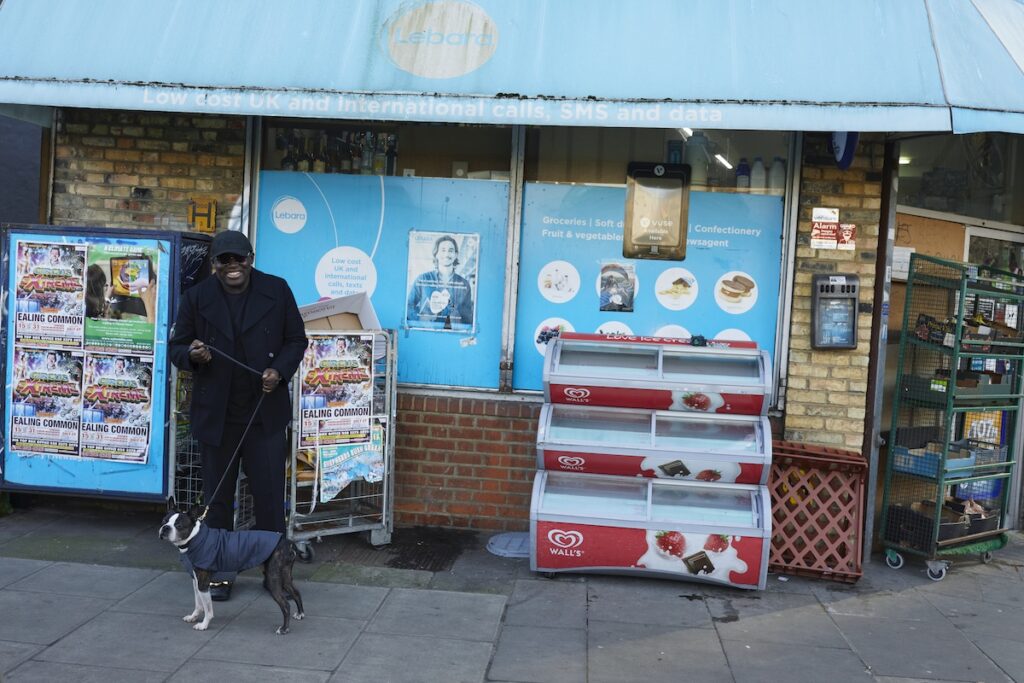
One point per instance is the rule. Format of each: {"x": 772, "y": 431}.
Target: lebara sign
{"x": 440, "y": 39}
{"x": 289, "y": 215}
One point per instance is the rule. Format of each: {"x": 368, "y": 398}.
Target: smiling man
{"x": 243, "y": 314}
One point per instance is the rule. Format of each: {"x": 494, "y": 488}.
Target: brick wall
{"x": 462, "y": 462}
{"x": 135, "y": 169}
{"x": 826, "y": 399}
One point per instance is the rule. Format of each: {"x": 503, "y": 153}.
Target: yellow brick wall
{"x": 826, "y": 397}
{"x": 139, "y": 169}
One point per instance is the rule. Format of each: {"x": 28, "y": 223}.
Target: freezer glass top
{"x": 681, "y": 433}
{"x": 728, "y": 507}
{"x": 586, "y": 497}
{"x": 596, "y": 425}
{"x": 592, "y": 360}
{"x": 712, "y": 369}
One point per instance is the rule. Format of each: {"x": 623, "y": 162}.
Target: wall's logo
{"x": 440, "y": 39}
{"x": 289, "y": 214}
{"x": 572, "y": 462}
{"x": 565, "y": 539}
{"x": 575, "y": 395}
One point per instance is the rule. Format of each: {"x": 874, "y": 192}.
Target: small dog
{"x": 206, "y": 551}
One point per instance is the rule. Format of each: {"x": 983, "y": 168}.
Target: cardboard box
{"x": 354, "y": 312}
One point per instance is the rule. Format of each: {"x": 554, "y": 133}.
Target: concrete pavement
{"x": 93, "y": 596}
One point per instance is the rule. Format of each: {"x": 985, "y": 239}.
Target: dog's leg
{"x": 289, "y": 585}
{"x": 194, "y": 617}
{"x": 203, "y": 585}
{"x": 277, "y": 592}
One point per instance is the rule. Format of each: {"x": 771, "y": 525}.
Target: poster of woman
{"x": 442, "y": 281}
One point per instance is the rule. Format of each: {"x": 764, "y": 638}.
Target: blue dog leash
{"x": 245, "y": 433}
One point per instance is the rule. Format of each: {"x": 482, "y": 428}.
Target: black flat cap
{"x": 230, "y": 242}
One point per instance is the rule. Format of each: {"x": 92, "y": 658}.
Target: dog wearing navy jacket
{"x": 206, "y": 551}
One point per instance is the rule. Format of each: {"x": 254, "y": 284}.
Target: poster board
{"x": 929, "y": 236}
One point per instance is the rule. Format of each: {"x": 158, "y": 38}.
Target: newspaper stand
{"x": 361, "y": 506}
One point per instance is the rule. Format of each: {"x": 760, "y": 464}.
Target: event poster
{"x": 442, "y": 279}
{"x": 336, "y": 390}
{"x": 49, "y": 293}
{"x": 120, "y": 297}
{"x": 116, "y": 407}
{"x": 342, "y": 464}
{"x": 46, "y": 401}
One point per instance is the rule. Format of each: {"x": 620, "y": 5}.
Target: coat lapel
{"x": 214, "y": 308}
{"x": 261, "y": 300}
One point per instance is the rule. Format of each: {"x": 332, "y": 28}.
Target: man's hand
{"x": 271, "y": 378}
{"x": 198, "y": 353}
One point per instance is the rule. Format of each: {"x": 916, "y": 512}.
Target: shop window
{"x": 414, "y": 214}
{"x": 968, "y": 175}
{"x": 572, "y": 274}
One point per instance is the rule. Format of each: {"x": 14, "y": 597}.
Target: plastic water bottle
{"x": 758, "y": 175}
{"x": 777, "y": 174}
{"x": 697, "y": 157}
{"x": 742, "y": 173}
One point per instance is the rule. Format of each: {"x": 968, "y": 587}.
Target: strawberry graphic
{"x": 716, "y": 543}
{"x": 671, "y": 542}
{"x": 708, "y": 475}
{"x": 697, "y": 401}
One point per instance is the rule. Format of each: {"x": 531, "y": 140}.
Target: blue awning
{"x": 868, "y": 65}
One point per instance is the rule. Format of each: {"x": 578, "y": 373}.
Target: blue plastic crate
{"x": 927, "y": 464}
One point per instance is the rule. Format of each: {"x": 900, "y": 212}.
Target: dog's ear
{"x": 195, "y": 512}
{"x": 171, "y": 505}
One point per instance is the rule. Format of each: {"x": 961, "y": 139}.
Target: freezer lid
{"x": 596, "y": 497}
{"x": 734, "y": 507}
{"x": 605, "y": 359}
{"x": 569, "y": 424}
{"x": 685, "y": 432}
{"x": 712, "y": 367}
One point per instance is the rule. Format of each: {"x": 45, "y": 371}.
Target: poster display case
{"x": 657, "y": 444}
{"x": 708, "y": 532}
{"x": 85, "y": 364}
{"x": 724, "y": 377}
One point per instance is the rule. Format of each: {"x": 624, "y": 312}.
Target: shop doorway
{"x": 1002, "y": 249}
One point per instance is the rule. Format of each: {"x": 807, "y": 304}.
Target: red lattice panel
{"x": 817, "y": 511}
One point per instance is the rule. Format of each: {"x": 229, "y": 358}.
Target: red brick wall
{"x": 465, "y": 462}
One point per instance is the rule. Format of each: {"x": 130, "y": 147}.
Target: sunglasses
{"x": 228, "y": 259}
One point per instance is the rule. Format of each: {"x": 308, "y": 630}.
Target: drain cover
{"x": 510, "y": 544}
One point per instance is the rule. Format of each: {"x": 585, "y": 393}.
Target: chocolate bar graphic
{"x": 674, "y": 467}
{"x": 699, "y": 562}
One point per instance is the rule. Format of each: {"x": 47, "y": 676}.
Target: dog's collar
{"x": 183, "y": 547}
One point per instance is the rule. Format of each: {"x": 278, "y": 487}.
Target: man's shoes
{"x": 220, "y": 591}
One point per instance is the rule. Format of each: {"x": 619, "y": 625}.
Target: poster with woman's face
{"x": 121, "y": 298}
{"x": 442, "y": 281}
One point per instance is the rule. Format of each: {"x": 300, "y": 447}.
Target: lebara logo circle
{"x": 565, "y": 539}
{"x": 289, "y": 215}
{"x": 440, "y": 39}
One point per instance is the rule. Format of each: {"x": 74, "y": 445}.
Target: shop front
{"x": 465, "y": 165}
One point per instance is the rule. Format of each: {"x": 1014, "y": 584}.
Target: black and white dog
{"x": 206, "y": 551}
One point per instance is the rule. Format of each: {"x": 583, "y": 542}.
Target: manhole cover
{"x": 510, "y": 544}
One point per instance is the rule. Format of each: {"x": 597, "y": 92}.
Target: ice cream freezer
{"x": 658, "y": 373}
{"x": 712, "y": 533}
{"x": 648, "y": 443}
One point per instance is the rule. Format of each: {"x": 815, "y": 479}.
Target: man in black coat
{"x": 249, "y": 316}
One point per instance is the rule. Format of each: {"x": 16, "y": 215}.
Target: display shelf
{"x": 658, "y": 444}
{"x": 954, "y": 412}
{"x": 657, "y": 373}
{"x": 715, "y": 533}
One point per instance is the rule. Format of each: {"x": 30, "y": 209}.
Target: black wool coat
{"x": 273, "y": 336}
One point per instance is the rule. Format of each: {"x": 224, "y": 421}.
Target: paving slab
{"x": 334, "y": 600}
{"x": 760, "y": 617}
{"x": 547, "y": 603}
{"x": 14, "y": 569}
{"x": 13, "y": 654}
{"x": 121, "y": 640}
{"x": 93, "y": 581}
{"x": 314, "y": 643}
{"x": 171, "y": 594}
{"x": 618, "y": 652}
{"x": 385, "y": 577}
{"x": 49, "y": 672}
{"x": 759, "y": 662}
{"x": 207, "y": 671}
{"x": 645, "y": 601}
{"x": 533, "y": 654}
{"x": 413, "y": 659}
{"x": 1007, "y": 654}
{"x": 47, "y": 617}
{"x": 980, "y": 620}
{"x": 918, "y": 650}
{"x": 465, "y": 616}
{"x": 908, "y": 605}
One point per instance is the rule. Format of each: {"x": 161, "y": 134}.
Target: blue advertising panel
{"x": 572, "y": 276}
{"x": 86, "y": 363}
{"x": 429, "y": 251}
